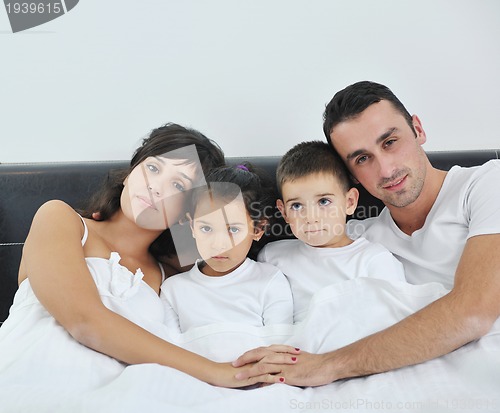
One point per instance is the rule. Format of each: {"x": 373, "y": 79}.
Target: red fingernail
{"x": 294, "y": 358}
{"x": 282, "y": 379}
{"x": 297, "y": 349}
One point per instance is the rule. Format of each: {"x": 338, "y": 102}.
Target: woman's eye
{"x": 324, "y": 202}
{"x": 179, "y": 186}
{"x": 295, "y": 206}
{"x": 153, "y": 168}
{"x": 205, "y": 229}
{"x": 233, "y": 230}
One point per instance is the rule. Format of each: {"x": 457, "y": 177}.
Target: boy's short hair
{"x": 308, "y": 158}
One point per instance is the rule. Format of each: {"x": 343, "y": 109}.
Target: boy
{"x": 316, "y": 197}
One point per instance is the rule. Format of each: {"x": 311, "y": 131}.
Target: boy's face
{"x": 315, "y": 206}
{"x": 224, "y": 233}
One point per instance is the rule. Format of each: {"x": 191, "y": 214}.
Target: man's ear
{"x": 281, "y": 207}
{"x": 351, "y": 199}
{"x": 419, "y": 130}
{"x": 354, "y": 180}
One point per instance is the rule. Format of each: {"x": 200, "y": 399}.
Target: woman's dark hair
{"x": 257, "y": 189}
{"x": 159, "y": 142}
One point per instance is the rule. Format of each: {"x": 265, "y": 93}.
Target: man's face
{"x": 382, "y": 153}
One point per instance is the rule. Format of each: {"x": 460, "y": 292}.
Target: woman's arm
{"x": 54, "y": 260}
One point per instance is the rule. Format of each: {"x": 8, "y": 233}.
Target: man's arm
{"x": 463, "y": 315}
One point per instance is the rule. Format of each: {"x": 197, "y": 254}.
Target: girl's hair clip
{"x": 242, "y": 167}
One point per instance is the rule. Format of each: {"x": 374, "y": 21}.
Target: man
{"x": 443, "y": 226}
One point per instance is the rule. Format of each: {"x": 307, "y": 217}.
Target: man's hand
{"x": 266, "y": 363}
{"x": 297, "y": 368}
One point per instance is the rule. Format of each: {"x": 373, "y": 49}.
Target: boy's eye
{"x": 233, "y": 230}
{"x": 205, "y": 228}
{"x": 179, "y": 186}
{"x": 324, "y": 202}
{"x": 295, "y": 206}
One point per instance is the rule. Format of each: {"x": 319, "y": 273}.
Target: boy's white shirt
{"x": 310, "y": 269}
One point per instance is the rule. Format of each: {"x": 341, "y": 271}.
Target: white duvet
{"x": 467, "y": 380}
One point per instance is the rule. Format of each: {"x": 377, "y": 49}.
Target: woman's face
{"x": 154, "y": 193}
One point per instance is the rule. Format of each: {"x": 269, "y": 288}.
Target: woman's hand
{"x": 286, "y": 365}
{"x": 265, "y": 364}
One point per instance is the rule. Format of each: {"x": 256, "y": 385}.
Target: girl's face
{"x": 154, "y": 193}
{"x": 224, "y": 233}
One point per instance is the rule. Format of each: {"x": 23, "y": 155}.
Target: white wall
{"x": 254, "y": 75}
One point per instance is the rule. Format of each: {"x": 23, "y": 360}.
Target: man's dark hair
{"x": 348, "y": 103}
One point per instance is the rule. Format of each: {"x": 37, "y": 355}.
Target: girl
{"x": 88, "y": 296}
{"x": 230, "y": 216}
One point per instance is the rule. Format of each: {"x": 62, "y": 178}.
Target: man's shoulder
{"x": 462, "y": 173}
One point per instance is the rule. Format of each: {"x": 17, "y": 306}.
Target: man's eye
{"x": 205, "y": 229}
{"x": 324, "y": 202}
{"x": 361, "y": 159}
{"x": 389, "y": 142}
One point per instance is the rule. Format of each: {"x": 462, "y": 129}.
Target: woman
{"x": 88, "y": 300}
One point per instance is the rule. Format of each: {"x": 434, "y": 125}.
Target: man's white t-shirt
{"x": 255, "y": 294}
{"x": 310, "y": 269}
{"x": 467, "y": 205}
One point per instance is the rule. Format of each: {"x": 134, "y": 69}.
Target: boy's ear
{"x": 351, "y": 199}
{"x": 281, "y": 207}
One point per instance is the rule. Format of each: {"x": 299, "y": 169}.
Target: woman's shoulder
{"x": 56, "y": 205}
{"x": 57, "y": 213}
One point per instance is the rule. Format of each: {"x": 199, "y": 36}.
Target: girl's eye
{"x": 179, "y": 186}
{"x": 295, "y": 206}
{"x": 153, "y": 168}
{"x": 324, "y": 202}
{"x": 233, "y": 230}
{"x": 205, "y": 229}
